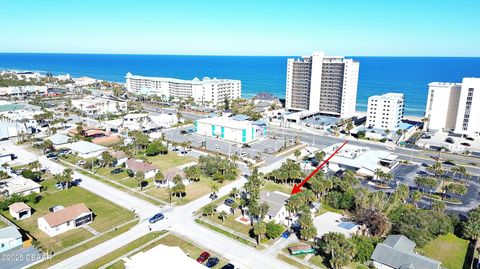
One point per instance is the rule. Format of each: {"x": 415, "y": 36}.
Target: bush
{"x": 155, "y": 148}
{"x": 35, "y": 176}
{"x": 274, "y": 230}
{"x": 383, "y": 140}
{"x": 130, "y": 173}
{"x": 361, "y": 134}
{"x": 339, "y": 200}
{"x": 364, "y": 246}
{"x": 15, "y": 198}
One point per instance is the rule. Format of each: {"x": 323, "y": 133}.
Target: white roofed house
{"x": 65, "y": 219}
{"x": 276, "y": 206}
{"x": 86, "y": 149}
{"x": 18, "y": 185}
{"x": 59, "y": 140}
{"x": 145, "y": 121}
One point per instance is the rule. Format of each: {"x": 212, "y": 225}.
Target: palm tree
{"x": 214, "y": 188}
{"x": 259, "y": 229}
{"x": 416, "y": 197}
{"x": 222, "y": 215}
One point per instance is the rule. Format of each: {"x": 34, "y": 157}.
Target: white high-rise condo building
{"x": 385, "y": 111}
{"x": 454, "y": 107}
{"x": 442, "y": 105}
{"x": 327, "y": 84}
{"x": 468, "y": 115}
{"x": 207, "y": 91}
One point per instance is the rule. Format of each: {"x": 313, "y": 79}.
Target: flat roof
{"x": 85, "y": 147}
{"x": 226, "y": 122}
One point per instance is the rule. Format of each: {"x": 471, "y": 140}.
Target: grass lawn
{"x": 124, "y": 250}
{"x": 100, "y": 239}
{"x": 170, "y": 160}
{"x": 107, "y": 215}
{"x": 194, "y": 191}
{"x": 130, "y": 182}
{"x": 318, "y": 261}
{"x": 327, "y": 208}
{"x": 105, "y": 171}
{"x": 449, "y": 249}
{"x": 272, "y": 186}
{"x": 2, "y": 225}
{"x": 190, "y": 249}
{"x": 292, "y": 262}
{"x": 231, "y": 223}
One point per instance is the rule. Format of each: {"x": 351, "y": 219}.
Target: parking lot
{"x": 459, "y": 144}
{"x": 263, "y": 147}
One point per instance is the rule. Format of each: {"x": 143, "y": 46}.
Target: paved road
{"x": 178, "y": 220}
{"x": 418, "y": 156}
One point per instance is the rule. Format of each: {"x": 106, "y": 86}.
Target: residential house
{"x": 85, "y": 149}
{"x": 120, "y": 157}
{"x": 141, "y": 166}
{"x": 396, "y": 252}
{"x": 10, "y": 238}
{"x": 18, "y": 185}
{"x": 276, "y": 206}
{"x": 20, "y": 210}
{"x": 65, "y": 219}
{"x": 59, "y": 140}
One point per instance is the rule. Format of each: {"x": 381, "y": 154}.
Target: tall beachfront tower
{"x": 385, "y": 111}
{"x": 454, "y": 107}
{"x": 442, "y": 106}
{"x": 327, "y": 84}
{"x": 468, "y": 116}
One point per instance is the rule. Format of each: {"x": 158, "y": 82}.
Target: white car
{"x": 390, "y": 148}
{"x": 243, "y": 154}
{"x": 81, "y": 162}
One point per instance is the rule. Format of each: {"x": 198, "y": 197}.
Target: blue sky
{"x": 246, "y": 27}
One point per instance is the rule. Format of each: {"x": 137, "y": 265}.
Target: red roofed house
{"x": 140, "y": 166}
{"x": 65, "y": 219}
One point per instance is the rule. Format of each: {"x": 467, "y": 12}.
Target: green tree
{"x": 107, "y": 159}
{"x": 416, "y": 197}
{"x": 159, "y": 176}
{"x": 472, "y": 225}
{"x": 339, "y": 248}
{"x": 222, "y": 215}
{"x": 193, "y": 173}
{"x": 297, "y": 153}
{"x": 140, "y": 177}
{"x": 274, "y": 230}
{"x": 209, "y": 209}
{"x": 259, "y": 229}
{"x": 364, "y": 246}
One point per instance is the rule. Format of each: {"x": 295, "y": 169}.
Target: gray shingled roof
{"x": 397, "y": 252}
{"x": 275, "y": 200}
{"x": 400, "y": 242}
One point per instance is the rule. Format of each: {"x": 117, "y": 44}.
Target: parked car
{"x": 116, "y": 171}
{"x": 51, "y": 155}
{"x": 203, "y": 257}
{"x": 81, "y": 162}
{"x": 465, "y": 144}
{"x": 229, "y": 201}
{"x": 449, "y": 162}
{"x": 228, "y": 266}
{"x": 156, "y": 218}
{"x": 213, "y": 196}
{"x": 182, "y": 132}
{"x": 212, "y": 262}
{"x": 286, "y": 234}
{"x": 246, "y": 146}
{"x": 470, "y": 138}
{"x": 243, "y": 154}
{"x": 450, "y": 140}
{"x": 217, "y": 148}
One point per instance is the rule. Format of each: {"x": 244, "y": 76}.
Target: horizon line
{"x": 234, "y": 55}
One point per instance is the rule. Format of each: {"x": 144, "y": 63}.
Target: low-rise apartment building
{"x": 206, "y": 91}
{"x": 236, "y": 129}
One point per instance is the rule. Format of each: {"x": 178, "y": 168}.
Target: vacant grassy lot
{"x": 170, "y": 160}
{"x": 106, "y": 172}
{"x": 449, "y": 249}
{"x": 194, "y": 190}
{"x": 107, "y": 215}
{"x": 190, "y": 249}
{"x": 124, "y": 250}
{"x": 272, "y": 186}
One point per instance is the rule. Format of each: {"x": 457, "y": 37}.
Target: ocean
{"x": 378, "y": 75}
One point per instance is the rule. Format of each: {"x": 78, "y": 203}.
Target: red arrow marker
{"x": 297, "y": 187}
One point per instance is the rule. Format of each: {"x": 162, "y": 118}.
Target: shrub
{"x": 35, "y": 176}
{"x": 130, "y": 173}
{"x": 274, "y": 230}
